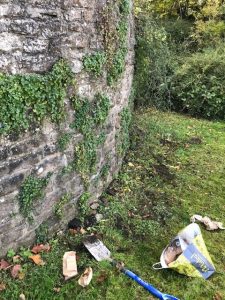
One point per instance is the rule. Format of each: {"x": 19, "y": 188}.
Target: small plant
{"x": 83, "y": 121}
{"x": 101, "y": 108}
{"x": 25, "y": 253}
{"x": 123, "y": 136}
{"x": 58, "y": 209}
{"x": 95, "y": 63}
{"x": 85, "y": 155}
{"x": 124, "y": 6}
{"x": 11, "y": 253}
{"x": 83, "y": 205}
{"x": 63, "y": 141}
{"x": 30, "y": 191}
{"x": 105, "y": 171}
{"x": 41, "y": 234}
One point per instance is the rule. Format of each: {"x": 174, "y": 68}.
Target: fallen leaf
{"x": 22, "y": 297}
{"x": 4, "y": 265}
{"x": 82, "y": 230}
{"x": 2, "y": 286}
{"x": 86, "y": 277}
{"x": 57, "y": 290}
{"x": 15, "y": 271}
{"x": 21, "y": 275}
{"x": 39, "y": 248}
{"x": 217, "y": 296}
{"x": 37, "y": 259}
{"x": 102, "y": 277}
{"x": 16, "y": 259}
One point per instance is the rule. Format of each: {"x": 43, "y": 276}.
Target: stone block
{"x": 9, "y": 42}
{"x": 37, "y": 45}
{"x": 24, "y": 26}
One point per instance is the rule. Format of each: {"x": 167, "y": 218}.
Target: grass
{"x": 175, "y": 168}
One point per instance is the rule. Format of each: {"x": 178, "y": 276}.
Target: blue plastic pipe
{"x": 148, "y": 286}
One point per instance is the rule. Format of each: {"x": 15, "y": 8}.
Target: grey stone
{"x": 33, "y": 36}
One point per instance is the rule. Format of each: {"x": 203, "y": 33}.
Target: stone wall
{"x": 34, "y": 34}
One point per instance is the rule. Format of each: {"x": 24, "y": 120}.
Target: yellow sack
{"x": 187, "y": 254}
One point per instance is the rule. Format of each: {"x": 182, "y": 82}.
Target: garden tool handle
{"x": 148, "y": 286}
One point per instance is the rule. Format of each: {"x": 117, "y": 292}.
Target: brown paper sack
{"x": 69, "y": 265}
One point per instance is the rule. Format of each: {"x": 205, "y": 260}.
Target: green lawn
{"x": 175, "y": 168}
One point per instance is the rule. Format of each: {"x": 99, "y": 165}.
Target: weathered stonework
{"x": 34, "y": 34}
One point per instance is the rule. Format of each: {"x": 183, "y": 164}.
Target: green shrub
{"x": 154, "y": 65}
{"x": 198, "y": 85}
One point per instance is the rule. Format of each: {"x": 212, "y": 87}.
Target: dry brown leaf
{"x": 21, "y": 275}
{"x": 37, "y": 259}
{"x": 16, "y": 259}
{"x": 218, "y": 296}
{"x": 39, "y": 248}
{"x": 2, "y": 286}
{"x": 86, "y": 277}
{"x": 102, "y": 277}
{"x": 15, "y": 271}
{"x": 82, "y": 230}
{"x": 22, "y": 297}
{"x": 4, "y": 265}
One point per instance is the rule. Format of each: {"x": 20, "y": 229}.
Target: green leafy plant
{"x": 95, "y": 63}
{"x": 58, "y": 209}
{"x": 198, "y": 84}
{"x": 11, "y": 253}
{"x": 85, "y": 155}
{"x": 63, "y": 141}
{"x": 83, "y": 205}
{"x": 30, "y": 191}
{"x": 123, "y": 136}
{"x": 28, "y": 99}
{"x": 100, "y": 108}
{"x": 124, "y": 6}
{"x": 42, "y": 234}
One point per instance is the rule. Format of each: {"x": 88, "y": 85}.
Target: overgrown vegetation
{"x": 123, "y": 138}
{"x": 179, "y": 50}
{"x": 174, "y": 169}
{"x": 95, "y": 63}
{"x": 114, "y": 28}
{"x": 58, "y": 209}
{"x": 31, "y": 190}
{"x": 83, "y": 206}
{"x": 28, "y": 99}
{"x": 90, "y": 116}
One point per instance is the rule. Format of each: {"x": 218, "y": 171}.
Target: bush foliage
{"x": 180, "y": 56}
{"x": 198, "y": 85}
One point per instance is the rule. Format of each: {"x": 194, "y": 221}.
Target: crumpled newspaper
{"x": 210, "y": 225}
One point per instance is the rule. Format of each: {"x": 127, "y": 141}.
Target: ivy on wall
{"x": 114, "y": 29}
{"x": 89, "y": 117}
{"x": 31, "y": 190}
{"x": 28, "y": 99}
